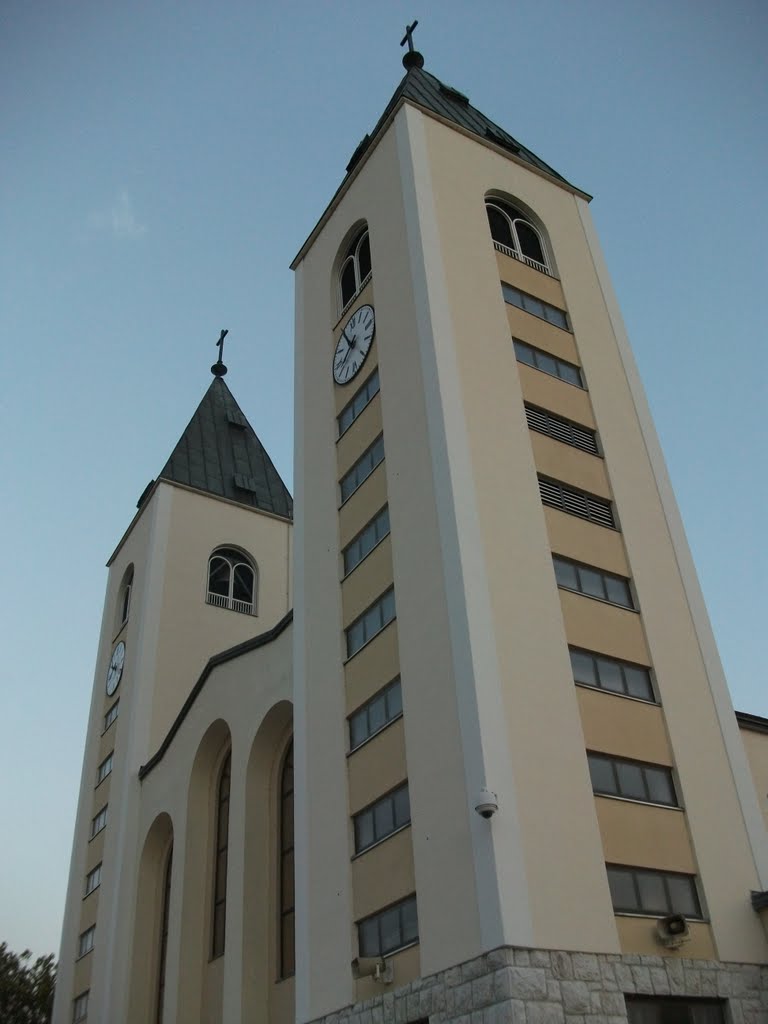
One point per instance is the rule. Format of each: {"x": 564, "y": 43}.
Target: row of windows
{"x": 657, "y": 893}
{"x": 612, "y": 675}
{"x": 371, "y": 622}
{"x": 104, "y": 768}
{"x": 362, "y": 469}
{"x": 576, "y": 502}
{"x": 99, "y": 821}
{"x": 359, "y": 401}
{"x": 370, "y": 535}
{"x": 585, "y": 579}
{"x": 561, "y": 429}
{"x": 632, "y": 780}
{"x": 387, "y": 815}
{"x": 389, "y": 930}
{"x": 530, "y": 304}
{"x": 111, "y": 715}
{"x": 547, "y": 363}
{"x": 383, "y": 708}
{"x": 85, "y": 942}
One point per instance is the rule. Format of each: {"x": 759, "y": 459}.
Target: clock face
{"x": 115, "y": 670}
{"x": 354, "y": 344}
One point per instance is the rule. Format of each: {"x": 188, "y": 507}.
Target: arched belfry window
{"x": 220, "y": 860}
{"x": 514, "y": 234}
{"x": 355, "y": 268}
{"x": 287, "y": 887}
{"x": 232, "y": 581}
{"x": 124, "y": 599}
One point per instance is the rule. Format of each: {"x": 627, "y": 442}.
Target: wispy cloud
{"x": 120, "y": 219}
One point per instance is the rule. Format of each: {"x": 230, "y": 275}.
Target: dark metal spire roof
{"x": 219, "y": 453}
{"x": 423, "y": 88}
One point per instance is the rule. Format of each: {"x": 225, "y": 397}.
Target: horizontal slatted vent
{"x": 561, "y": 429}
{"x": 576, "y": 503}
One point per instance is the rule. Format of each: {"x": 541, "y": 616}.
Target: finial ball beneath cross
{"x": 219, "y": 369}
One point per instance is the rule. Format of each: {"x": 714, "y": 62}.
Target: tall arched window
{"x": 220, "y": 860}
{"x": 513, "y": 234}
{"x": 124, "y": 599}
{"x": 232, "y": 581}
{"x": 164, "y": 935}
{"x": 287, "y": 889}
{"x": 355, "y": 269}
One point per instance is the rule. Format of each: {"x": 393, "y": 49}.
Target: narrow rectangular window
{"x": 362, "y": 469}
{"x": 104, "y": 768}
{"x": 537, "y": 307}
{"x": 603, "y": 673}
{"x": 576, "y": 503}
{"x": 389, "y": 930}
{"x": 380, "y": 819}
{"x": 547, "y": 363}
{"x": 383, "y": 708}
{"x": 633, "y": 780}
{"x": 358, "y": 402}
{"x": 371, "y": 622}
{"x": 93, "y": 880}
{"x": 99, "y": 821}
{"x": 111, "y": 715}
{"x": 85, "y": 942}
{"x": 80, "y": 1008}
{"x": 561, "y": 429}
{"x": 371, "y": 534}
{"x": 656, "y": 893}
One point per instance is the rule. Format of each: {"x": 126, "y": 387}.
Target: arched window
{"x": 164, "y": 934}
{"x": 355, "y": 269}
{"x": 124, "y": 599}
{"x": 232, "y": 581}
{"x": 220, "y": 860}
{"x": 287, "y": 899}
{"x": 514, "y": 235}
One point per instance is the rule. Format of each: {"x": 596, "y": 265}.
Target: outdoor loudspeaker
{"x": 672, "y": 931}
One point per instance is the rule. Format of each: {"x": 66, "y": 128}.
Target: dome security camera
{"x": 487, "y": 803}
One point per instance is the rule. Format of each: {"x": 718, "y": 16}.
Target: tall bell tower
{"x": 512, "y": 727}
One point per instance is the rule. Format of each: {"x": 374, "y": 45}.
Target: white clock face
{"x": 354, "y": 344}
{"x": 115, "y": 670}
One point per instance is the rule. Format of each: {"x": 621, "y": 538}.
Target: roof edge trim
{"x": 213, "y": 662}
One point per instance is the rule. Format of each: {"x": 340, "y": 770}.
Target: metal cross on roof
{"x": 411, "y": 59}
{"x": 219, "y": 369}
{"x": 408, "y": 37}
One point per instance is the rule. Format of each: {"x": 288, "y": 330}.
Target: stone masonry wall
{"x": 534, "y": 986}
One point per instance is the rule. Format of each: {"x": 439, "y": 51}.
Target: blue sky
{"x": 162, "y": 164}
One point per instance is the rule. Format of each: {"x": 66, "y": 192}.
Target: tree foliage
{"x": 26, "y": 988}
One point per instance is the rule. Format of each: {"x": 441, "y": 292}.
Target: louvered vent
{"x": 576, "y": 503}
{"x": 561, "y": 430}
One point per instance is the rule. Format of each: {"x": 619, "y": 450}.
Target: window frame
{"x": 633, "y": 607}
{"x": 377, "y": 917}
{"x": 352, "y": 253}
{"x": 234, "y": 557}
{"x": 112, "y": 708}
{"x": 518, "y": 343}
{"x": 94, "y": 830}
{"x": 378, "y": 603}
{"x": 351, "y": 403}
{"x": 95, "y": 871}
{"x": 104, "y": 770}
{"x": 513, "y": 215}
{"x": 365, "y": 707}
{"x": 356, "y": 464}
{"x": 506, "y": 291}
{"x": 80, "y": 1012}
{"x": 372, "y": 523}
{"x": 621, "y": 664}
{"x": 370, "y": 809}
{"x": 644, "y": 766}
{"x": 89, "y": 933}
{"x": 634, "y": 872}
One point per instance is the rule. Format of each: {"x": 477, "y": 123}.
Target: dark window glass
{"x": 674, "y": 1010}
{"x": 611, "y": 674}
{"x": 618, "y": 591}
{"x": 652, "y": 896}
{"x": 584, "y": 668}
{"x": 591, "y": 582}
{"x": 630, "y": 778}
{"x": 638, "y": 682}
{"x": 362, "y": 469}
{"x": 359, "y": 401}
{"x": 220, "y": 860}
{"x": 243, "y": 584}
{"x": 348, "y": 283}
{"x": 623, "y": 894}
{"x": 525, "y": 353}
{"x": 218, "y": 576}
{"x": 364, "y": 257}
{"x": 164, "y": 923}
{"x": 500, "y": 227}
{"x": 371, "y": 622}
{"x": 565, "y": 574}
{"x": 657, "y": 893}
{"x": 287, "y": 873}
{"x": 601, "y": 773}
{"x": 382, "y": 818}
{"x": 381, "y": 709}
{"x": 389, "y": 929}
{"x": 530, "y": 244}
{"x": 570, "y": 373}
{"x": 660, "y": 788}
{"x": 231, "y": 581}
{"x": 586, "y": 580}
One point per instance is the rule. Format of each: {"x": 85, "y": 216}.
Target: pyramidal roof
{"x": 429, "y": 92}
{"x": 219, "y": 453}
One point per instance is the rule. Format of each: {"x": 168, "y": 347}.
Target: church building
{"x": 445, "y": 737}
